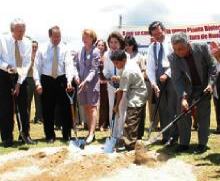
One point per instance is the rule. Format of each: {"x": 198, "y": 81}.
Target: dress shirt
{"x": 44, "y": 60}
{"x": 7, "y": 58}
{"x": 151, "y": 63}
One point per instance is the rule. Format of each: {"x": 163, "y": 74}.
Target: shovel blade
{"x": 110, "y": 145}
{"x": 77, "y": 145}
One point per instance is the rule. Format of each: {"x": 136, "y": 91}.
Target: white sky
{"x": 101, "y": 15}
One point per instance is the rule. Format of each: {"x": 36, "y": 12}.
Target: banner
{"x": 196, "y": 33}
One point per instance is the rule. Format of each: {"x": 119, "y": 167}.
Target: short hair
{"x": 34, "y": 41}
{"x": 117, "y": 36}
{"x": 118, "y": 55}
{"x": 130, "y": 40}
{"x": 50, "y": 31}
{"x": 105, "y": 45}
{"x": 154, "y": 25}
{"x": 179, "y": 37}
{"x": 90, "y": 33}
{"x": 17, "y": 21}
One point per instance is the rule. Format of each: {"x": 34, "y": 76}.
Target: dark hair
{"x": 34, "y": 41}
{"x": 105, "y": 45}
{"x": 50, "y": 31}
{"x": 130, "y": 40}
{"x": 154, "y": 25}
{"x": 119, "y": 37}
{"x": 118, "y": 55}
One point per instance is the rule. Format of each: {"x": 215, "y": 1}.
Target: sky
{"x": 102, "y": 15}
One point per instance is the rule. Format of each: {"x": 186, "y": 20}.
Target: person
{"x": 131, "y": 47}
{"x": 215, "y": 50}
{"x": 31, "y": 88}
{"x": 115, "y": 42}
{"x": 53, "y": 76}
{"x": 132, "y": 82}
{"x": 194, "y": 73}
{"x": 104, "y": 105}
{"x": 88, "y": 80}
{"x": 159, "y": 74}
{"x": 14, "y": 66}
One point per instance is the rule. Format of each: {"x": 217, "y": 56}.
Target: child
{"x": 131, "y": 82}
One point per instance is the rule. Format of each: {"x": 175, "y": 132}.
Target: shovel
{"x": 156, "y": 110}
{"x": 16, "y": 109}
{"x": 111, "y": 141}
{"x": 177, "y": 118}
{"x": 77, "y": 143}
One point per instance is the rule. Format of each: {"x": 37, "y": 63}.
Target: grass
{"x": 207, "y": 165}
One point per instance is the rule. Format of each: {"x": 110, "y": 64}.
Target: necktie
{"x": 17, "y": 55}
{"x": 54, "y": 63}
{"x": 159, "y": 70}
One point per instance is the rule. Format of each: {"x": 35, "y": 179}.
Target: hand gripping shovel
{"x": 77, "y": 143}
{"x": 177, "y": 118}
{"x": 111, "y": 141}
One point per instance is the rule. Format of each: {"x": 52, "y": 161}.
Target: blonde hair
{"x": 90, "y": 33}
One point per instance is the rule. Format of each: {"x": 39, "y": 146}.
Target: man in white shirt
{"x": 53, "y": 75}
{"x": 14, "y": 66}
{"x": 159, "y": 74}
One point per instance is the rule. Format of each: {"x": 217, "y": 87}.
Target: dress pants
{"x": 8, "y": 103}
{"x": 32, "y": 93}
{"x": 203, "y": 115}
{"x": 54, "y": 93}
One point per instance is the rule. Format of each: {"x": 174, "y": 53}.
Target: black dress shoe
{"x": 201, "y": 149}
{"x": 29, "y": 141}
{"x": 164, "y": 141}
{"x": 8, "y": 143}
{"x": 51, "y": 140}
{"x": 181, "y": 148}
{"x": 217, "y": 131}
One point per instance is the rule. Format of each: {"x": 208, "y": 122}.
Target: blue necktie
{"x": 159, "y": 67}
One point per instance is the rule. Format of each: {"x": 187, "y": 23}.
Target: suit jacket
{"x": 205, "y": 65}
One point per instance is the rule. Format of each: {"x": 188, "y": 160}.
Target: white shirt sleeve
{"x": 151, "y": 66}
{"x": 70, "y": 70}
{"x": 107, "y": 71}
{"x": 37, "y": 69}
{"x": 26, "y": 61}
{"x": 3, "y": 62}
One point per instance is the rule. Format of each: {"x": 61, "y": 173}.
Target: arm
{"x": 70, "y": 69}
{"x": 3, "y": 58}
{"x": 151, "y": 66}
{"x": 37, "y": 69}
{"x": 26, "y": 63}
{"x": 177, "y": 76}
{"x": 95, "y": 66}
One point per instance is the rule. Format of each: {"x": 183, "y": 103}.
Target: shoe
{"x": 90, "y": 139}
{"x": 120, "y": 145}
{"x": 8, "y": 143}
{"x": 164, "y": 141}
{"x": 172, "y": 141}
{"x": 181, "y": 148}
{"x": 217, "y": 131}
{"x": 201, "y": 149}
{"x": 26, "y": 140}
{"x": 29, "y": 141}
{"x": 50, "y": 141}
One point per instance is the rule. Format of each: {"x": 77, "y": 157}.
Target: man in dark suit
{"x": 14, "y": 65}
{"x": 194, "y": 73}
